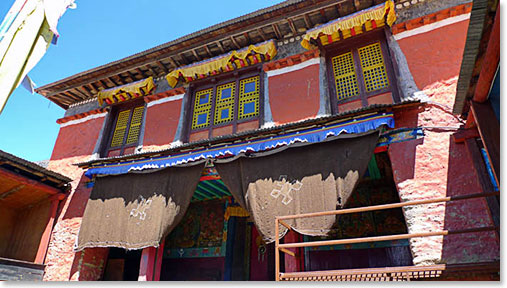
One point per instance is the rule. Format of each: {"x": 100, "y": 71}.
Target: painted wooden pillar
{"x": 44, "y": 242}
{"x": 229, "y": 247}
{"x": 147, "y": 267}
{"x": 293, "y": 263}
{"x": 158, "y": 261}
{"x": 151, "y": 263}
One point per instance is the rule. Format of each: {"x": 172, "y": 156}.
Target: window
{"x": 360, "y": 73}
{"x": 125, "y": 129}
{"x": 228, "y": 101}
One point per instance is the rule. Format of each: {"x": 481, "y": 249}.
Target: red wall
{"x": 435, "y": 55}
{"x": 161, "y": 123}
{"x": 75, "y": 143}
{"x": 294, "y": 95}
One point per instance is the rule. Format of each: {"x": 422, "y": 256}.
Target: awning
{"x": 137, "y": 210}
{"x": 127, "y": 91}
{"x": 233, "y": 60}
{"x": 296, "y": 179}
{"x": 312, "y": 135}
{"x": 351, "y": 25}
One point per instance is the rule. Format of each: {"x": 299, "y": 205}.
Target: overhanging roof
{"x": 481, "y": 23}
{"x": 287, "y": 19}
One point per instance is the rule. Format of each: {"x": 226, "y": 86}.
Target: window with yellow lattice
{"x": 360, "y": 72}
{"x": 125, "y": 129}
{"x": 225, "y": 102}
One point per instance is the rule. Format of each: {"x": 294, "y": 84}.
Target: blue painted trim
{"x": 313, "y": 135}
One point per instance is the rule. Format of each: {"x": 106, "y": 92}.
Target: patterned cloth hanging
{"x": 252, "y": 54}
{"x": 126, "y": 92}
{"x": 351, "y": 25}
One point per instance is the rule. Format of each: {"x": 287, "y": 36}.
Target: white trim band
{"x": 77, "y": 121}
{"x": 292, "y": 68}
{"x": 432, "y": 26}
{"x": 167, "y": 99}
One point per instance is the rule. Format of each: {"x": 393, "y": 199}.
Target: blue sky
{"x": 95, "y": 33}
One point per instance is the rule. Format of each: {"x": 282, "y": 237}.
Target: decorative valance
{"x": 126, "y": 92}
{"x": 351, "y": 25}
{"x": 297, "y": 179}
{"x": 233, "y": 60}
{"x": 312, "y": 135}
{"x": 137, "y": 210}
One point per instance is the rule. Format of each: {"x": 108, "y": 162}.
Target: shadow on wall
{"x": 466, "y": 214}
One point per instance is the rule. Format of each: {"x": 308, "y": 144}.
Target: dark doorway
{"x": 122, "y": 265}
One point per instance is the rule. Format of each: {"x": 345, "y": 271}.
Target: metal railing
{"x": 409, "y": 271}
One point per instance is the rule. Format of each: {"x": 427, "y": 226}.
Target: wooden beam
{"x": 261, "y": 34}
{"x": 72, "y": 95}
{"x": 234, "y": 42}
{"x": 46, "y": 235}
{"x": 484, "y": 181}
{"x": 286, "y": 251}
{"x": 308, "y": 21}
{"x": 171, "y": 60}
{"x": 490, "y": 63}
{"x": 141, "y": 73}
{"x": 489, "y": 129}
{"x": 103, "y": 83}
{"x": 153, "y": 72}
{"x": 462, "y": 135}
{"x": 277, "y": 31}
{"x": 93, "y": 89}
{"x": 196, "y": 55}
{"x": 292, "y": 27}
{"x": 384, "y": 238}
{"x": 248, "y": 40}
{"x": 111, "y": 80}
{"x": 323, "y": 14}
{"x": 386, "y": 206}
{"x": 28, "y": 182}
{"x": 164, "y": 69}
{"x": 206, "y": 48}
{"x": 11, "y": 191}
{"x": 219, "y": 44}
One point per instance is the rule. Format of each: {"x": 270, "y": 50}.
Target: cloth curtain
{"x": 299, "y": 178}
{"x": 137, "y": 210}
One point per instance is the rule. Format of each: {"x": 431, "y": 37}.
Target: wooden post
{"x": 44, "y": 241}
{"x": 158, "y": 261}
{"x": 292, "y": 263}
{"x": 146, "y": 269}
{"x": 277, "y": 253}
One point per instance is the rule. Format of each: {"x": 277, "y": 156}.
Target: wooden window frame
{"x": 352, "y": 45}
{"x": 213, "y": 83}
{"x": 111, "y": 125}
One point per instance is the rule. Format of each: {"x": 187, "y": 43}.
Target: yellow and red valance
{"x": 126, "y": 92}
{"x": 233, "y": 60}
{"x": 351, "y": 25}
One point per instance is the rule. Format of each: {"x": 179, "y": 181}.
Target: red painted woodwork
{"x": 461, "y": 136}
{"x": 294, "y": 264}
{"x": 44, "y": 242}
{"x": 158, "y": 262}
{"x": 146, "y": 269}
{"x": 489, "y": 129}
{"x": 33, "y": 183}
{"x": 490, "y": 62}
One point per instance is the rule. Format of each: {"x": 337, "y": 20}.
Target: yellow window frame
{"x": 249, "y": 97}
{"x": 200, "y": 109}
